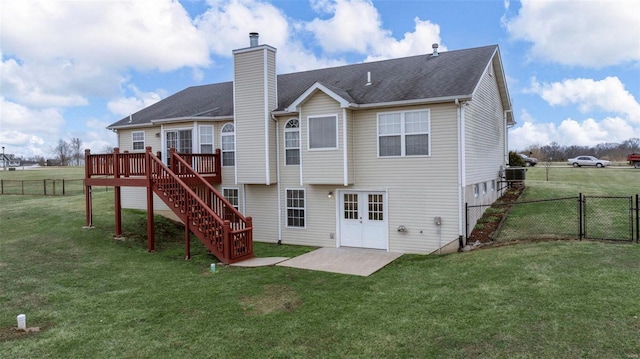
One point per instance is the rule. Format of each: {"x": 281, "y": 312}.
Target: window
{"x": 295, "y": 208}
{"x": 228, "y": 145}
{"x": 292, "y": 143}
{"x": 476, "y": 190}
{"x": 323, "y": 132}
{"x": 484, "y": 187}
{"x": 206, "y": 139}
{"x": 493, "y": 185}
{"x": 231, "y": 194}
{"x": 180, "y": 140}
{"x": 137, "y": 139}
{"x": 403, "y": 134}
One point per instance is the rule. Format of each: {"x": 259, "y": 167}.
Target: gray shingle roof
{"x": 452, "y": 73}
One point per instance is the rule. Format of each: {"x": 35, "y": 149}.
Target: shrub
{"x": 515, "y": 159}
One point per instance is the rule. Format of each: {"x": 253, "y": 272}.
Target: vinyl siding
{"x": 252, "y": 117}
{"x": 150, "y": 139}
{"x": 418, "y": 188}
{"x": 136, "y": 198}
{"x": 262, "y": 204}
{"x": 484, "y": 133}
{"x": 320, "y": 217}
{"x": 321, "y": 166}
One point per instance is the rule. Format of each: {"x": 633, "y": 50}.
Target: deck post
{"x": 116, "y": 193}
{"x": 187, "y": 239}
{"x": 226, "y": 240}
{"x": 87, "y": 192}
{"x": 150, "y": 224}
{"x": 218, "y": 165}
{"x": 249, "y": 224}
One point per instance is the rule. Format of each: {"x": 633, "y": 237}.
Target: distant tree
{"x": 62, "y": 152}
{"x": 107, "y": 149}
{"x": 76, "y": 150}
{"x": 40, "y": 160}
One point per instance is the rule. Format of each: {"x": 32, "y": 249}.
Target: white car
{"x": 587, "y": 161}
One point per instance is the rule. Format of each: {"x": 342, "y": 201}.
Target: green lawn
{"x": 94, "y": 297}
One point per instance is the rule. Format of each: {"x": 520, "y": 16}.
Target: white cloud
{"x": 584, "y": 33}
{"x": 608, "y": 95}
{"x": 588, "y": 132}
{"x": 356, "y": 26}
{"x": 125, "y": 106}
{"x": 59, "y": 53}
{"x": 25, "y": 131}
{"x": 621, "y": 119}
{"x": 227, "y": 25}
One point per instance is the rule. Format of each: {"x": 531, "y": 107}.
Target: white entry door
{"x": 363, "y": 220}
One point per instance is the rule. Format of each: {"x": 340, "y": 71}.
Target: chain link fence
{"x": 580, "y": 217}
{"x": 45, "y": 187}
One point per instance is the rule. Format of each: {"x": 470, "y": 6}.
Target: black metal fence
{"x": 581, "y": 217}
{"x": 44, "y": 187}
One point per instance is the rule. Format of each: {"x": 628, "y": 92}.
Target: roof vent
{"x": 368, "y": 79}
{"x": 435, "y": 50}
{"x": 253, "y": 39}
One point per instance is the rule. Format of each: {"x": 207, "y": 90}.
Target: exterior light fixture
{"x": 330, "y": 195}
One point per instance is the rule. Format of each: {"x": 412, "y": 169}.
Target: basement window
{"x": 295, "y": 208}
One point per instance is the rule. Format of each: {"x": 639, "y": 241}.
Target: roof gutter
{"x": 421, "y": 101}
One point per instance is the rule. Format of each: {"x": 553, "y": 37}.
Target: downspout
{"x": 278, "y": 178}
{"x": 461, "y": 172}
{"x": 505, "y": 153}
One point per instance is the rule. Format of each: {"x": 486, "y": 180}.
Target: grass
{"x": 44, "y": 180}
{"x": 607, "y": 218}
{"x": 95, "y": 297}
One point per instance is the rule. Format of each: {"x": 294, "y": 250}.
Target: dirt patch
{"x": 485, "y": 230}
{"x": 13, "y": 333}
{"x": 274, "y": 298}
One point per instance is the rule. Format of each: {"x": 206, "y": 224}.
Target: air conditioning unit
{"x": 515, "y": 174}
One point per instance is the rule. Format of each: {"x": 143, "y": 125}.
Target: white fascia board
{"x": 192, "y": 118}
{"x": 133, "y": 125}
{"x": 316, "y": 87}
{"x": 421, "y": 101}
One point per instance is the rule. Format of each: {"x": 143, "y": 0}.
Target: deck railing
{"x": 133, "y": 164}
{"x": 204, "y": 190}
{"x": 229, "y": 244}
{"x": 219, "y": 225}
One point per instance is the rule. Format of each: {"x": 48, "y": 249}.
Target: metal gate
{"x": 607, "y": 217}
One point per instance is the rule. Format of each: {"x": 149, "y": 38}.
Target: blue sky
{"x": 71, "y": 68}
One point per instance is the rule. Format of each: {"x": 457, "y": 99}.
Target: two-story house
{"x": 377, "y": 155}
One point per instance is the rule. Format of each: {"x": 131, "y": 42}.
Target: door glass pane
{"x": 350, "y": 206}
{"x": 375, "y": 207}
{"x": 185, "y": 140}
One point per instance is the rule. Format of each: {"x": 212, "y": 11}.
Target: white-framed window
{"x": 476, "y": 190}
{"x": 181, "y": 140}
{"x": 493, "y": 185}
{"x": 232, "y": 195}
{"x": 292, "y": 142}
{"x": 323, "y": 132}
{"x": 484, "y": 188}
{"x": 137, "y": 140}
{"x": 228, "y": 140}
{"x": 404, "y": 134}
{"x": 206, "y": 139}
{"x": 296, "y": 208}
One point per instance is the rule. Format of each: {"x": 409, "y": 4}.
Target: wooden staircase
{"x": 225, "y": 232}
